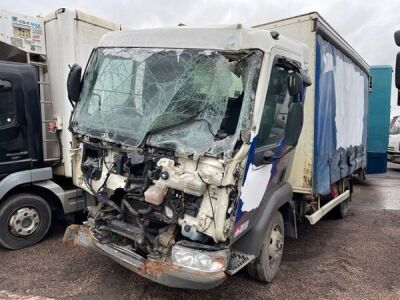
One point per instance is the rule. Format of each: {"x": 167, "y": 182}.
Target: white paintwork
{"x": 23, "y": 32}
{"x": 318, "y": 214}
{"x": 255, "y": 185}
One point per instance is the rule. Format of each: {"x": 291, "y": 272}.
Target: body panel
{"x": 70, "y": 37}
{"x": 379, "y": 119}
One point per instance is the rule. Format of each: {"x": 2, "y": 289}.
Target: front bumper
{"x": 394, "y": 157}
{"x": 159, "y": 271}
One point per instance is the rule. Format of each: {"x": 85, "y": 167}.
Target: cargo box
{"x": 334, "y": 137}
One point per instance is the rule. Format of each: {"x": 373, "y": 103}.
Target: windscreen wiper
{"x": 188, "y": 120}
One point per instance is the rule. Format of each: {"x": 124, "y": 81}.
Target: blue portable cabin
{"x": 333, "y": 141}
{"x": 379, "y": 118}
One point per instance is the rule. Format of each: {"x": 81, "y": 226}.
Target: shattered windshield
{"x": 193, "y": 101}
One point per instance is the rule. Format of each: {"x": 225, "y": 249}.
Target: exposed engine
{"x": 149, "y": 200}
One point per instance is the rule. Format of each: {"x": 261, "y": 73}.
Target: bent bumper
{"x": 159, "y": 271}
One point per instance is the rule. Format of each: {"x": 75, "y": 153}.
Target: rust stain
{"x": 307, "y": 175}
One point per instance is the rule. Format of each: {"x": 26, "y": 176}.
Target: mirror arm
{"x": 291, "y": 148}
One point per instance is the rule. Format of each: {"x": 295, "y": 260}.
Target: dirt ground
{"x": 354, "y": 258}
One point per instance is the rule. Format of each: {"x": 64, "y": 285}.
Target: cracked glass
{"x": 188, "y": 100}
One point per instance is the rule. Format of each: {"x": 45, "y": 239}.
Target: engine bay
{"x": 150, "y": 199}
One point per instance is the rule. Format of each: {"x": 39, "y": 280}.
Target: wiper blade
{"x": 188, "y": 120}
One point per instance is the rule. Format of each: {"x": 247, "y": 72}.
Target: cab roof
{"x": 228, "y": 38}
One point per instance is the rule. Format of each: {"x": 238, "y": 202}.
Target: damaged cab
{"x": 185, "y": 137}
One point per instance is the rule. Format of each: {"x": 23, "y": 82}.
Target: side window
{"x": 113, "y": 85}
{"x": 7, "y": 108}
{"x": 275, "y": 111}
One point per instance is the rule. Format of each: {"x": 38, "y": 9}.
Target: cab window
{"x": 7, "y": 109}
{"x": 275, "y": 111}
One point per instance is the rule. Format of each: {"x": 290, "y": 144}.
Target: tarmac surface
{"x": 354, "y": 258}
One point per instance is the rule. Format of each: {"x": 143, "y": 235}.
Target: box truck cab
{"x": 35, "y": 144}
{"x": 186, "y": 135}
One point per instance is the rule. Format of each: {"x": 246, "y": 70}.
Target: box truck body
{"x": 333, "y": 142}
{"x": 71, "y": 36}
{"x": 35, "y": 144}
{"x": 379, "y": 119}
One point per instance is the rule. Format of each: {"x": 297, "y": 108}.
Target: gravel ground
{"x": 355, "y": 258}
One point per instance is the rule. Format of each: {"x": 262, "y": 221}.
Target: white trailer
{"x": 50, "y": 45}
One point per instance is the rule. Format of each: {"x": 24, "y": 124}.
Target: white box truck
{"x": 36, "y": 147}
{"x": 190, "y": 141}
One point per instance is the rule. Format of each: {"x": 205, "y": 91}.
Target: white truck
{"x": 191, "y": 141}
{"x": 394, "y": 140}
{"x": 36, "y": 147}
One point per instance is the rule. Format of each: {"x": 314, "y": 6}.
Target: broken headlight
{"x": 201, "y": 260}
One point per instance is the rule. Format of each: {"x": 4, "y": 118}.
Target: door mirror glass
{"x": 294, "y": 124}
{"x": 295, "y": 83}
{"x": 74, "y": 84}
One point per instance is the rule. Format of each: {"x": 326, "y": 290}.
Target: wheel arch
{"x": 49, "y": 196}
{"x": 289, "y": 219}
{"x": 274, "y": 200}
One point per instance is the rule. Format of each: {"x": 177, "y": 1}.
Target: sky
{"x": 367, "y": 25}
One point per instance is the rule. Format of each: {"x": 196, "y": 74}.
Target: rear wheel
{"x": 24, "y": 220}
{"x": 266, "y": 266}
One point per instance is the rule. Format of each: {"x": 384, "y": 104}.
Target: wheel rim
{"x": 275, "y": 246}
{"x": 24, "y": 222}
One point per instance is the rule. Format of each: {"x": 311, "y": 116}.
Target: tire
{"x": 25, "y": 219}
{"x": 266, "y": 266}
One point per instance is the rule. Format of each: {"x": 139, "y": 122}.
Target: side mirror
{"x": 397, "y": 37}
{"x": 268, "y": 157}
{"x": 74, "y": 84}
{"x": 294, "y": 124}
{"x": 295, "y": 84}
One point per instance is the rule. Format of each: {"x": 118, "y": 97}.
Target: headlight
{"x": 207, "y": 261}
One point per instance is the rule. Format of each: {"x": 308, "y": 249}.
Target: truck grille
{"x": 391, "y": 149}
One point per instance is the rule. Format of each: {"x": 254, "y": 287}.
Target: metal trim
{"x": 317, "y": 215}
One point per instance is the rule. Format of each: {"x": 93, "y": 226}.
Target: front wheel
{"x": 266, "y": 266}
{"x": 24, "y": 220}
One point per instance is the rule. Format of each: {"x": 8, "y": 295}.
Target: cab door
{"x": 14, "y": 146}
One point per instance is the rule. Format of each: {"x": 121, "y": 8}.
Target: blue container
{"x": 378, "y": 119}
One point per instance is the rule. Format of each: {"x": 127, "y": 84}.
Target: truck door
{"x": 14, "y": 147}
